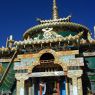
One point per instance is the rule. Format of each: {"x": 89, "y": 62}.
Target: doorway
{"x": 54, "y": 86}
{"x": 54, "y": 82}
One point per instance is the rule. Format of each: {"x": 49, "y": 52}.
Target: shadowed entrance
{"x": 49, "y": 77}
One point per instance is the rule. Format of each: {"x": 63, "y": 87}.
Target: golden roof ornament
{"x": 55, "y": 10}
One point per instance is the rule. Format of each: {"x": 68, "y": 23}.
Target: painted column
{"x": 66, "y": 85}
{"x": 58, "y": 88}
{"x": 75, "y": 87}
{"x": 40, "y": 89}
{"x": 70, "y": 87}
{"x": 20, "y": 84}
{"x": 80, "y": 90}
{"x": 74, "y": 75}
{"x": 63, "y": 87}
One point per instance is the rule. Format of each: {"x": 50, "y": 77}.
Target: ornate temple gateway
{"x": 56, "y": 57}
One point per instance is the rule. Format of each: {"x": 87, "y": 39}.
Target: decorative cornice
{"x": 50, "y": 40}
{"x": 74, "y": 73}
{"x": 21, "y": 76}
{"x": 56, "y": 24}
{"x": 8, "y": 49}
{"x": 67, "y": 19}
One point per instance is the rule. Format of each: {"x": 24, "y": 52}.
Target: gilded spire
{"x": 55, "y": 10}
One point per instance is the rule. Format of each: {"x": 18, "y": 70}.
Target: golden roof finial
{"x": 55, "y": 10}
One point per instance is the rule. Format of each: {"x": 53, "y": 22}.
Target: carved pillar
{"x": 20, "y": 87}
{"x": 21, "y": 83}
{"x": 70, "y": 87}
{"x": 80, "y": 92}
{"x": 74, "y": 75}
{"x": 75, "y": 87}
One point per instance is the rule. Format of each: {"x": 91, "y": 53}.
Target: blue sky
{"x": 16, "y": 16}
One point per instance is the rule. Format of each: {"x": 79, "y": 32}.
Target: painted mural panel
{"x": 24, "y": 64}
{"x": 70, "y": 60}
{"x": 66, "y": 58}
{"x": 27, "y": 61}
